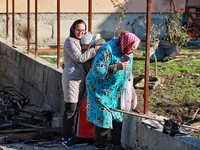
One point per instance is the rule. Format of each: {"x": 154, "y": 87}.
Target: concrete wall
{"x": 137, "y": 136}
{"x": 101, "y": 23}
{"x": 39, "y": 79}
{"x": 81, "y": 6}
{"x": 194, "y": 2}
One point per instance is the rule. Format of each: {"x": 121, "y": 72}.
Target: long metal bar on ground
{"x": 35, "y": 28}
{"x": 30, "y": 125}
{"x": 6, "y": 20}
{"x": 58, "y": 33}
{"x": 13, "y": 12}
{"x": 146, "y": 84}
{"x": 148, "y": 117}
{"x": 137, "y": 114}
{"x": 30, "y": 130}
{"x": 90, "y": 16}
{"x": 28, "y": 24}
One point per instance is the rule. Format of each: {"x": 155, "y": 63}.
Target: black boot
{"x": 177, "y": 129}
{"x": 167, "y": 126}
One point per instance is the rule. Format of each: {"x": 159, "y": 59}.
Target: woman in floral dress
{"x": 104, "y": 83}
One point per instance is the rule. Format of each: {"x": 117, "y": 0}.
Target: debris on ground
{"x": 20, "y": 120}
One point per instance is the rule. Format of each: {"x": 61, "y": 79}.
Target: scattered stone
{"x": 166, "y": 96}
{"x": 41, "y": 143}
{"x": 153, "y": 82}
{"x": 196, "y": 59}
{"x": 3, "y": 140}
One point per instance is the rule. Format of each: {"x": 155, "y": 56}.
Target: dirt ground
{"x": 182, "y": 109}
{"x": 46, "y": 145}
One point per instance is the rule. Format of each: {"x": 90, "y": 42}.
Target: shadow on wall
{"x": 133, "y": 22}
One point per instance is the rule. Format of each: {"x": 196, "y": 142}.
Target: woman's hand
{"x": 63, "y": 66}
{"x": 122, "y": 65}
{"x": 97, "y": 47}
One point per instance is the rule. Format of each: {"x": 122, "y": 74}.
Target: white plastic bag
{"x": 128, "y": 96}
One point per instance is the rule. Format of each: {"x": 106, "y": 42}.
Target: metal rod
{"x": 193, "y": 19}
{"x": 6, "y": 20}
{"x": 136, "y": 114}
{"x": 58, "y": 34}
{"x": 147, "y": 117}
{"x": 13, "y": 12}
{"x": 90, "y": 16}
{"x": 30, "y": 130}
{"x": 35, "y": 28}
{"x": 146, "y": 85}
{"x": 30, "y": 125}
{"x": 28, "y": 27}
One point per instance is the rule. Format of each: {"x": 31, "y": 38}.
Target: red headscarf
{"x": 126, "y": 41}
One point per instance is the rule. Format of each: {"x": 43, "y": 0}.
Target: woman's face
{"x": 79, "y": 30}
{"x": 84, "y": 47}
{"x": 134, "y": 47}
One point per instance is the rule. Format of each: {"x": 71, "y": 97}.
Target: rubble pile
{"x": 16, "y": 113}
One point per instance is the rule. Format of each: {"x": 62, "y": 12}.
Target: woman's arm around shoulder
{"x": 73, "y": 48}
{"x": 101, "y": 62}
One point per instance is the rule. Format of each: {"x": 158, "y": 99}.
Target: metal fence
{"x": 148, "y": 26}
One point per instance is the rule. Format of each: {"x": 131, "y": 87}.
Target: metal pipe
{"x": 58, "y": 34}
{"x": 136, "y": 114}
{"x": 13, "y": 12}
{"x": 35, "y": 28}
{"x": 146, "y": 85}
{"x": 6, "y": 20}
{"x": 28, "y": 27}
{"x": 90, "y": 16}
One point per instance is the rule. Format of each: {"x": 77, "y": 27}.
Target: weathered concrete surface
{"x": 103, "y": 6}
{"x": 137, "y": 136}
{"x": 101, "y": 23}
{"x": 48, "y": 145}
{"x": 41, "y": 81}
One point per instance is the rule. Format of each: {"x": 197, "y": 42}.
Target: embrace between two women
{"x": 104, "y": 82}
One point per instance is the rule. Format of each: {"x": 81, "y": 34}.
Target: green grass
{"x": 186, "y": 81}
{"x": 45, "y": 48}
{"x": 138, "y": 63}
{"x": 51, "y": 60}
{"x": 141, "y": 48}
{"x": 193, "y": 55}
{"x": 196, "y": 134}
{"x": 195, "y": 74}
{"x": 158, "y": 101}
{"x": 48, "y": 53}
{"x": 151, "y": 95}
{"x": 190, "y": 48}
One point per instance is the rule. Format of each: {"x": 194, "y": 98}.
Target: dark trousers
{"x": 68, "y": 120}
{"x": 102, "y": 133}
